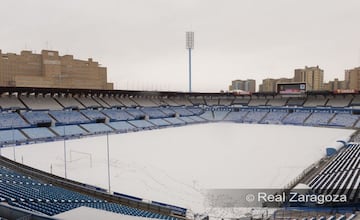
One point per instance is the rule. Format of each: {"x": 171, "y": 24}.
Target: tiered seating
{"x": 122, "y": 126}
{"x": 154, "y": 112}
{"x": 10, "y": 102}
{"x": 175, "y": 121}
{"x": 274, "y": 117}
{"x": 38, "y": 133}
{"x": 170, "y": 102}
{"x": 144, "y": 102}
{"x": 27, "y": 193}
{"x": 36, "y": 117}
{"x": 12, "y": 120}
{"x": 41, "y": 103}
{"x": 141, "y": 124}
{"x": 68, "y": 130}
{"x": 127, "y": 102}
{"x": 69, "y": 117}
{"x": 112, "y": 101}
{"x": 344, "y": 120}
{"x": 295, "y": 101}
{"x": 137, "y": 113}
{"x": 195, "y": 118}
{"x": 187, "y": 120}
{"x": 118, "y": 114}
{"x": 254, "y": 116}
{"x": 168, "y": 112}
{"x": 257, "y": 102}
{"x": 101, "y": 102}
{"x": 68, "y": 102}
{"x": 296, "y": 118}
{"x": 242, "y": 101}
{"x": 212, "y": 101}
{"x": 195, "y": 110}
{"x": 197, "y": 100}
{"x": 88, "y": 102}
{"x": 96, "y": 128}
{"x": 339, "y": 101}
{"x": 11, "y": 136}
{"x": 319, "y": 118}
{"x": 315, "y": 101}
{"x": 159, "y": 122}
{"x": 93, "y": 114}
{"x": 220, "y": 115}
{"x": 182, "y": 111}
{"x": 277, "y": 101}
{"x": 341, "y": 176}
{"x": 208, "y": 115}
{"x": 236, "y": 116}
{"x": 355, "y": 101}
{"x": 226, "y": 101}
{"x": 180, "y": 101}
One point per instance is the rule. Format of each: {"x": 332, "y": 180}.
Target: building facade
{"x": 352, "y": 78}
{"x": 312, "y": 76}
{"x": 270, "y": 85}
{"x": 248, "y": 85}
{"x": 335, "y": 84}
{"x": 48, "y": 69}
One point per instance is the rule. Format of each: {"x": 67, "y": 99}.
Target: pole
{"x": 108, "y": 159}
{"x": 189, "y": 69}
{"x": 65, "y": 167}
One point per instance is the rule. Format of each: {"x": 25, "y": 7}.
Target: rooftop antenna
{"x": 190, "y": 46}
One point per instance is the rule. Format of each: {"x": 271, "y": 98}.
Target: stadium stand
{"x": 315, "y": 101}
{"x": 144, "y": 102}
{"x": 187, "y": 120}
{"x": 96, "y": 128}
{"x": 137, "y": 113}
{"x": 296, "y": 118}
{"x": 100, "y": 101}
{"x": 277, "y": 101}
{"x": 225, "y": 101}
{"x": 117, "y": 114}
{"x": 197, "y": 100}
{"x": 356, "y": 101}
{"x": 341, "y": 175}
{"x": 111, "y": 101}
{"x": 169, "y": 102}
{"x": 30, "y": 194}
{"x": 10, "y": 102}
{"x": 182, "y": 111}
{"x": 93, "y": 114}
{"x": 168, "y": 112}
{"x": 159, "y": 122}
{"x": 12, "y": 120}
{"x": 68, "y": 101}
{"x": 241, "y": 101}
{"x": 142, "y": 124}
{"x": 339, "y": 101}
{"x": 344, "y": 120}
{"x": 37, "y": 117}
{"x": 208, "y": 115}
{"x": 122, "y": 126}
{"x": 40, "y": 102}
{"x": 212, "y": 101}
{"x": 195, "y": 118}
{"x": 175, "y": 121}
{"x": 69, "y": 117}
{"x": 11, "y": 136}
{"x": 154, "y": 112}
{"x": 319, "y": 118}
{"x": 68, "y": 130}
{"x": 274, "y": 117}
{"x": 181, "y": 101}
{"x": 295, "y": 101}
{"x": 88, "y": 102}
{"x": 126, "y": 101}
{"x": 38, "y": 133}
{"x": 254, "y": 116}
{"x": 259, "y": 101}
{"x": 236, "y": 116}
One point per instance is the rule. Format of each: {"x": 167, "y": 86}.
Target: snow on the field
{"x": 172, "y": 165}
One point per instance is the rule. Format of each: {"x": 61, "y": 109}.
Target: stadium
{"x": 47, "y": 133}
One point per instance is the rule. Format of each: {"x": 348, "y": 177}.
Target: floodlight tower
{"x": 190, "y": 46}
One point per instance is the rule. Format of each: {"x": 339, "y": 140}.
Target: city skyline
{"x": 142, "y": 43}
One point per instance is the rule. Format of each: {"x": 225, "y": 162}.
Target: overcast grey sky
{"x": 142, "y": 42}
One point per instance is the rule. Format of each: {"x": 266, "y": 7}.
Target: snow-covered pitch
{"x": 173, "y": 165}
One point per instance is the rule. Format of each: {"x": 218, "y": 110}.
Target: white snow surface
{"x": 173, "y": 165}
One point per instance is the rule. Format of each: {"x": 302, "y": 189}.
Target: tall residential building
{"x": 335, "y": 85}
{"x": 48, "y": 69}
{"x": 312, "y": 76}
{"x": 352, "y": 78}
{"x": 270, "y": 85}
{"x": 248, "y": 85}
